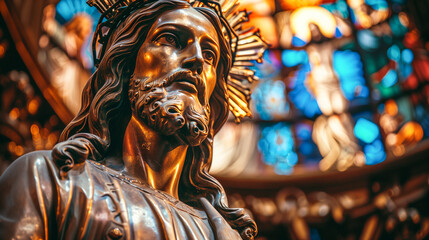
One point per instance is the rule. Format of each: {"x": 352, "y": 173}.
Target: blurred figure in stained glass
{"x": 62, "y": 54}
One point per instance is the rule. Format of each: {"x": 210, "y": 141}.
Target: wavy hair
{"x": 97, "y": 130}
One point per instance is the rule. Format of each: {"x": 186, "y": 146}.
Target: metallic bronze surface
{"x": 134, "y": 162}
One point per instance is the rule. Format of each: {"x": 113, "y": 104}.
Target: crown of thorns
{"x": 247, "y": 46}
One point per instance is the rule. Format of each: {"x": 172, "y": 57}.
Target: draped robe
{"x": 96, "y": 202}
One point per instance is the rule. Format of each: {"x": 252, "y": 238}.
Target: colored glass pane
{"x": 66, "y": 12}
{"x": 368, "y": 134}
{"x": 276, "y": 146}
{"x": 307, "y": 149}
{"x": 301, "y": 95}
{"x": 67, "y": 9}
{"x": 348, "y": 66}
{"x": 270, "y": 100}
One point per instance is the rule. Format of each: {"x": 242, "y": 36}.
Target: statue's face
{"x": 180, "y": 40}
{"x": 175, "y": 75}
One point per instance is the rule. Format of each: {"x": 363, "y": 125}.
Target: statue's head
{"x": 183, "y": 58}
{"x": 167, "y": 64}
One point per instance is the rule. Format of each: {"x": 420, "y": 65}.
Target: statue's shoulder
{"x": 31, "y": 162}
{"x": 28, "y": 191}
{"x": 34, "y": 169}
{"x": 39, "y": 155}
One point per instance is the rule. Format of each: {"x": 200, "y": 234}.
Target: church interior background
{"x": 337, "y": 147}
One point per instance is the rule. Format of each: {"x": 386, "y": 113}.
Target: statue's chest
{"x": 121, "y": 210}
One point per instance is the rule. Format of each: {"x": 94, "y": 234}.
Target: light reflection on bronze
{"x": 160, "y": 166}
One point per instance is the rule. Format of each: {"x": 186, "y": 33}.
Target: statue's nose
{"x": 194, "y": 60}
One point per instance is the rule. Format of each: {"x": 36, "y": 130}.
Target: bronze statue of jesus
{"x": 134, "y": 162}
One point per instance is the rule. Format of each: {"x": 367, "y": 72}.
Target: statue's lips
{"x": 188, "y": 84}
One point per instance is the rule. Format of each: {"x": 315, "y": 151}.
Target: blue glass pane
{"x": 314, "y": 234}
{"x": 405, "y": 67}
{"x": 390, "y": 79}
{"x": 377, "y": 4}
{"x": 67, "y": 9}
{"x": 394, "y": 53}
{"x": 399, "y": 1}
{"x": 367, "y": 40}
{"x": 407, "y": 56}
{"x": 276, "y": 147}
{"x": 338, "y": 8}
{"x": 398, "y": 29}
{"x": 270, "y": 100}
{"x": 306, "y": 147}
{"x": 270, "y": 67}
{"x": 348, "y": 66}
{"x": 292, "y": 58}
{"x": 300, "y": 95}
{"x": 374, "y": 153}
{"x": 422, "y": 117}
{"x": 366, "y": 131}
{"x": 298, "y": 42}
{"x": 369, "y": 136}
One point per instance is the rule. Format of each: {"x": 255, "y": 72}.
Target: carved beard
{"x": 170, "y": 113}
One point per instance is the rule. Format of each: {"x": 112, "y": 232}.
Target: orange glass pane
{"x": 258, "y": 7}
{"x": 267, "y": 28}
{"x": 294, "y": 4}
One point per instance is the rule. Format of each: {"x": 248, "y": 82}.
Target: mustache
{"x": 177, "y": 76}
{"x": 188, "y": 76}
{"x": 185, "y": 75}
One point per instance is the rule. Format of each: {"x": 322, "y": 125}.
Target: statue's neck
{"x": 152, "y": 158}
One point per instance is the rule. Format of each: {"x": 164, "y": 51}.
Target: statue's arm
{"x": 26, "y": 195}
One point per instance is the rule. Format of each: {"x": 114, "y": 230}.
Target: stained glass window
{"x": 67, "y": 10}
{"x": 64, "y": 48}
{"x": 344, "y": 85}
